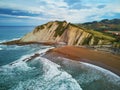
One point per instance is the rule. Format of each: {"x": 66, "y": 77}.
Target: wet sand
{"x": 102, "y": 59}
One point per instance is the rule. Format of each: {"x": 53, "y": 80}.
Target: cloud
{"x": 17, "y": 12}
{"x": 101, "y": 6}
{"x": 20, "y": 20}
{"x": 58, "y": 3}
{"x": 21, "y": 17}
{"x": 75, "y": 11}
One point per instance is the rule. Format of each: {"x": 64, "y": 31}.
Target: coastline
{"x": 105, "y": 60}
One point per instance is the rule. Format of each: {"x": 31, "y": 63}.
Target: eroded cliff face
{"x": 62, "y": 32}
{"x": 48, "y": 32}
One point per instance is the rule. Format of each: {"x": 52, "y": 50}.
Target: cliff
{"x": 63, "y": 33}
{"x": 68, "y": 33}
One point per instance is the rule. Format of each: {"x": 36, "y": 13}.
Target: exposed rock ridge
{"x": 58, "y": 31}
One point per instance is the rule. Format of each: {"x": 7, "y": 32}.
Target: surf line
{"x": 35, "y": 55}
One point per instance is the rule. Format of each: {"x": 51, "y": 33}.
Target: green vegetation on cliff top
{"x": 111, "y": 25}
{"x": 101, "y": 35}
{"x": 60, "y": 29}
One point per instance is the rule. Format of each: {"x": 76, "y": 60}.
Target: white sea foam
{"x": 1, "y": 49}
{"x": 110, "y": 76}
{"x": 90, "y": 72}
{"x": 1, "y": 41}
{"x": 42, "y": 52}
{"x": 52, "y": 78}
{"x": 54, "y": 74}
{"x": 20, "y": 65}
{"x": 84, "y": 64}
{"x": 105, "y": 71}
{"x": 15, "y": 39}
{"x": 21, "y": 59}
{"x": 28, "y": 56}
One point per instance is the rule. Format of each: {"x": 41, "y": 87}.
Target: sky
{"x": 37, "y": 12}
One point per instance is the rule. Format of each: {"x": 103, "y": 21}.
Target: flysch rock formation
{"x": 61, "y": 32}
{"x": 58, "y": 31}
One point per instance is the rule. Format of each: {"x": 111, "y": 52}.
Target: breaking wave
{"x": 1, "y": 41}
{"x": 110, "y": 75}
{"x": 89, "y": 76}
{"x": 38, "y": 74}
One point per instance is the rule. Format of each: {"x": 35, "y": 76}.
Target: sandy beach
{"x": 99, "y": 58}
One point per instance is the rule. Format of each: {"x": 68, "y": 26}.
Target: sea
{"x": 41, "y": 73}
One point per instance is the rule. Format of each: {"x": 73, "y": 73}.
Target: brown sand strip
{"x": 105, "y": 60}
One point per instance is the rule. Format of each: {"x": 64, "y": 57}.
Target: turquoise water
{"x": 43, "y": 74}
{"x": 13, "y": 32}
{"x": 11, "y": 53}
